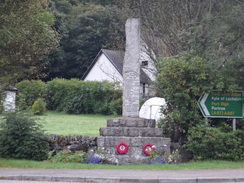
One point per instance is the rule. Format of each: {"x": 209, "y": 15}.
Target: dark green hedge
{"x": 29, "y": 92}
{"x": 206, "y": 142}
{"x": 72, "y": 96}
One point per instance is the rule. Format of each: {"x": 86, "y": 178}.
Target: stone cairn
{"x": 130, "y": 139}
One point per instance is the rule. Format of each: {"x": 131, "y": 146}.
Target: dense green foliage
{"x": 28, "y": 92}
{"x": 1, "y": 98}
{"x": 39, "y": 107}
{"x": 218, "y": 38}
{"x": 72, "y": 96}
{"x": 181, "y": 81}
{"x": 67, "y": 156}
{"x": 76, "y": 97}
{"x": 25, "y": 37}
{"x": 22, "y": 137}
{"x": 212, "y": 143}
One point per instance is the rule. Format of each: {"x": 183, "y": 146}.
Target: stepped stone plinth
{"x": 131, "y": 132}
{"x": 130, "y": 122}
{"x": 135, "y": 132}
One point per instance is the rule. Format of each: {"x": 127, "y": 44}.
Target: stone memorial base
{"x": 134, "y": 133}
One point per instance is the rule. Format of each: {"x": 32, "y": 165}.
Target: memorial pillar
{"x": 131, "y": 69}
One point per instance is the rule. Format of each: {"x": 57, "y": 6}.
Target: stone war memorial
{"x": 131, "y": 139}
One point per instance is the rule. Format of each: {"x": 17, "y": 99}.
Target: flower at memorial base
{"x": 158, "y": 159}
{"x": 92, "y": 159}
{"x": 122, "y": 148}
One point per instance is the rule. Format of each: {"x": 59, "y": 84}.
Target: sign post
{"x": 218, "y": 104}
{"x": 234, "y": 124}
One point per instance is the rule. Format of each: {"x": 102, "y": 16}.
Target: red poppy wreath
{"x": 122, "y": 148}
{"x": 148, "y": 148}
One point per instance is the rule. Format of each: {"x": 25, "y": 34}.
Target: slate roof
{"x": 7, "y": 87}
{"x": 116, "y": 58}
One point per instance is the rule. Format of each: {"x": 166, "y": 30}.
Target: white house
{"x": 108, "y": 65}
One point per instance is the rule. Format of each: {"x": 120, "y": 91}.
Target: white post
{"x": 206, "y": 121}
{"x": 234, "y": 124}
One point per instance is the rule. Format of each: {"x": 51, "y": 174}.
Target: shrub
{"x": 29, "y": 92}
{"x": 39, "y": 107}
{"x": 69, "y": 157}
{"x": 211, "y": 143}
{"x": 175, "y": 157}
{"x": 181, "y": 81}
{"x": 115, "y": 107}
{"x": 22, "y": 137}
{"x": 59, "y": 93}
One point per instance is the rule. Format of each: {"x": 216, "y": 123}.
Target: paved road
{"x": 125, "y": 176}
{"x": 78, "y": 182}
{"x": 26, "y": 181}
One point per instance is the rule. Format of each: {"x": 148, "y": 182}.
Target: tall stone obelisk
{"x": 133, "y": 132}
{"x": 131, "y": 69}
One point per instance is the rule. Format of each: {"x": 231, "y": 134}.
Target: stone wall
{"x": 72, "y": 142}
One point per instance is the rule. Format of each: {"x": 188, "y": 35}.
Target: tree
{"x": 162, "y": 21}
{"x": 212, "y": 28}
{"x": 25, "y": 37}
{"x": 218, "y": 40}
{"x": 100, "y": 2}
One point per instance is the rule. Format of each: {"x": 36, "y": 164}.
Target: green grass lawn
{"x": 214, "y": 164}
{"x": 64, "y": 124}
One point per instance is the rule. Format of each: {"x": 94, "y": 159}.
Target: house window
{"x": 144, "y": 63}
{"x": 143, "y": 89}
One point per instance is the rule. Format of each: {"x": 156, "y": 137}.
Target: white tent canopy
{"x": 151, "y": 109}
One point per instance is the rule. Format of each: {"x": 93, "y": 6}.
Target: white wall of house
{"x": 150, "y": 69}
{"x": 104, "y": 70}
